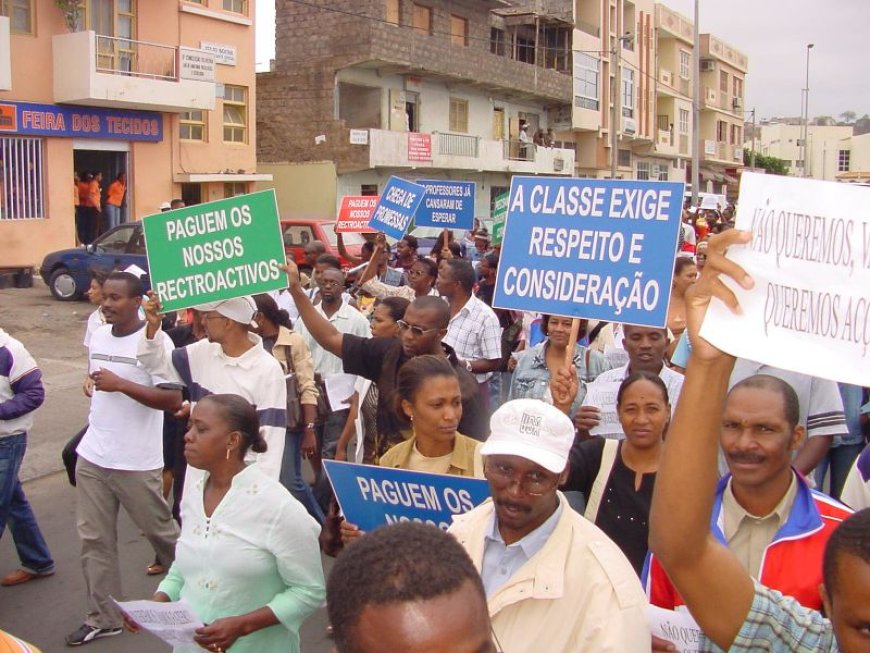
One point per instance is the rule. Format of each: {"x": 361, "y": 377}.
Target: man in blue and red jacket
{"x": 764, "y": 511}
{"x": 21, "y": 393}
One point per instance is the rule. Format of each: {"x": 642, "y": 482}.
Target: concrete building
{"x": 828, "y": 148}
{"x": 162, "y": 91}
{"x": 655, "y": 137}
{"x": 432, "y": 89}
{"x": 722, "y": 84}
{"x": 853, "y": 160}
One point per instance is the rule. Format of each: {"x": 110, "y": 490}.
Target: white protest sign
{"x": 676, "y": 627}
{"x": 809, "y": 311}
{"x": 602, "y": 395}
{"x": 175, "y": 623}
{"x": 338, "y": 388}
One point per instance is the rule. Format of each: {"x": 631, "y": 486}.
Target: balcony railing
{"x": 458, "y": 145}
{"x": 136, "y": 58}
{"x": 666, "y": 137}
{"x": 519, "y": 151}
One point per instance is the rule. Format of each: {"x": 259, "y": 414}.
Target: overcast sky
{"x": 774, "y": 35}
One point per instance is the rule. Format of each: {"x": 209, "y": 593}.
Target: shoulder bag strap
{"x": 608, "y": 458}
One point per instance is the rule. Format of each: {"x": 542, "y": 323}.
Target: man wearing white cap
{"x": 553, "y": 580}
{"x": 231, "y": 360}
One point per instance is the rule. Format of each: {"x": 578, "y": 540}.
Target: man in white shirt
{"x": 474, "y": 331}
{"x": 120, "y": 457}
{"x": 554, "y": 582}
{"x": 231, "y": 360}
{"x": 646, "y": 353}
{"x": 345, "y": 319}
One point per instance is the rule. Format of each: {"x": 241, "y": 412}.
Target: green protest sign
{"x": 499, "y": 214}
{"x": 213, "y": 251}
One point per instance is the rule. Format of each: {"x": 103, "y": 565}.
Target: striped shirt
{"x": 779, "y": 624}
{"x": 475, "y": 333}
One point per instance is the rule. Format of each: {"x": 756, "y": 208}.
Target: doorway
{"x": 110, "y": 164}
{"x": 412, "y": 111}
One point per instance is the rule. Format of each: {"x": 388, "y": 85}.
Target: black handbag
{"x": 295, "y": 416}
{"x": 70, "y": 457}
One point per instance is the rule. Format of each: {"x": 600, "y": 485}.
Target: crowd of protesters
{"x": 700, "y": 482}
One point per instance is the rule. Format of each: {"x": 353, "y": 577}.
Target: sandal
{"x": 155, "y": 569}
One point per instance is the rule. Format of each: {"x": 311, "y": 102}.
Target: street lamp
{"x": 806, "y": 112}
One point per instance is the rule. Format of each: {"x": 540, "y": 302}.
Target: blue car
{"x": 67, "y": 272}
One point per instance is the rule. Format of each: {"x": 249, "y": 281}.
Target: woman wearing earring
{"x": 247, "y": 561}
{"x": 427, "y": 393}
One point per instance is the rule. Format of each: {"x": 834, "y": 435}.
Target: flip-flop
{"x": 155, "y": 569}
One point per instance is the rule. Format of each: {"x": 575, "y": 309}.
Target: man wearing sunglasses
{"x": 553, "y": 580}
{"x": 379, "y": 359}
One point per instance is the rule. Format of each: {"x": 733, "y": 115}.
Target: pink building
{"x": 161, "y": 90}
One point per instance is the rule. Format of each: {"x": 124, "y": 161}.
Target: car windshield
{"x": 114, "y": 242}
{"x": 349, "y": 238}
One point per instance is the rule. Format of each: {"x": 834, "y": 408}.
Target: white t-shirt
{"x": 122, "y": 433}
{"x": 95, "y": 321}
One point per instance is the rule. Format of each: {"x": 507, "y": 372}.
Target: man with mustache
{"x": 553, "y": 580}
{"x": 764, "y": 511}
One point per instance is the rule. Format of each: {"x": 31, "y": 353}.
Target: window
{"x": 458, "y": 31}
{"x": 738, "y": 87}
{"x": 235, "y": 114}
{"x": 627, "y": 93}
{"x": 192, "y": 126}
{"x": 458, "y": 115}
{"x": 843, "y": 160}
{"x": 723, "y": 82}
{"x": 394, "y": 16}
{"x": 643, "y": 170}
{"x": 735, "y": 135}
{"x": 721, "y": 131}
{"x": 799, "y": 163}
{"x": 684, "y": 121}
{"x": 497, "y": 42}
{"x": 22, "y": 193}
{"x": 685, "y": 63}
{"x": 663, "y": 172}
{"x": 368, "y": 190}
{"x": 586, "y": 81}
{"x": 422, "y": 19}
{"x": 191, "y": 193}
{"x": 233, "y": 188}
{"x": 623, "y": 158}
{"x": 236, "y": 6}
{"x": 20, "y": 14}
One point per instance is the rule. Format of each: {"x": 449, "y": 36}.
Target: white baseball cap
{"x": 237, "y": 309}
{"x": 531, "y": 429}
{"x": 165, "y": 206}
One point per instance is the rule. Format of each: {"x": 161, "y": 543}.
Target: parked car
{"x": 67, "y": 272}
{"x": 297, "y": 233}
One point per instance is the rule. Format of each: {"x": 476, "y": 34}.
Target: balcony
{"x": 723, "y": 152}
{"x": 390, "y": 149}
{"x": 102, "y": 71}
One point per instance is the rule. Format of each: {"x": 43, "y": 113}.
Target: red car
{"x": 298, "y": 233}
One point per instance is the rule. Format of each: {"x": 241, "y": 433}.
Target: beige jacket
{"x": 577, "y": 594}
{"x": 292, "y": 342}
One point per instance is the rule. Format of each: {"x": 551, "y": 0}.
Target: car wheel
{"x": 63, "y": 285}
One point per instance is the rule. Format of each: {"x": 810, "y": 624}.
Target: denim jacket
{"x": 531, "y": 378}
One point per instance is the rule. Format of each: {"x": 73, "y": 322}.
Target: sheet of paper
{"x": 616, "y": 356}
{"x": 809, "y": 310}
{"x": 175, "y": 623}
{"x": 603, "y": 396}
{"x": 338, "y": 388}
{"x": 676, "y": 627}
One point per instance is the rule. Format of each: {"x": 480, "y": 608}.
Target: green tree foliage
{"x": 771, "y": 164}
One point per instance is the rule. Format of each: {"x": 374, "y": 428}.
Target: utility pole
{"x": 752, "y": 159}
{"x": 616, "y": 112}
{"x": 615, "y": 116}
{"x": 806, "y": 116}
{"x": 696, "y": 110}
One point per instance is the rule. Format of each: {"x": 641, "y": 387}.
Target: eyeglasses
{"x": 413, "y": 272}
{"x": 533, "y": 483}
{"x": 415, "y": 330}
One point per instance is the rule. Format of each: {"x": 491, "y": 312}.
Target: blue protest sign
{"x": 590, "y": 248}
{"x": 376, "y": 496}
{"x": 448, "y": 204}
{"x": 398, "y": 205}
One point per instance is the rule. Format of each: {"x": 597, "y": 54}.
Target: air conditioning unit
{"x": 707, "y": 65}
{"x": 629, "y": 125}
{"x": 737, "y": 103}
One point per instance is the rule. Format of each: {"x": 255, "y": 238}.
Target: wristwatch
{"x": 468, "y": 366}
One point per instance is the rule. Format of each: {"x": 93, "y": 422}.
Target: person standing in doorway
{"x": 115, "y": 199}
{"x": 94, "y": 195}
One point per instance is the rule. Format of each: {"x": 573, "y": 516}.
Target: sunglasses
{"x": 415, "y": 330}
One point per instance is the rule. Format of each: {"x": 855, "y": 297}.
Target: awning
{"x": 218, "y": 177}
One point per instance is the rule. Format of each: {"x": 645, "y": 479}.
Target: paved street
{"x": 44, "y": 611}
